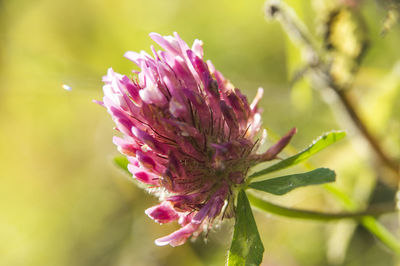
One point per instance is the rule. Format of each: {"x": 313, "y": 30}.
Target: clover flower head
{"x": 188, "y": 134}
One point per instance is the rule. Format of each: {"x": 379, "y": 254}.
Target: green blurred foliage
{"x": 62, "y": 200}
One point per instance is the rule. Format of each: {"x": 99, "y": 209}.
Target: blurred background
{"x": 64, "y": 202}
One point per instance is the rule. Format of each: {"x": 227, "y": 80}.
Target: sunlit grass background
{"x": 63, "y": 202}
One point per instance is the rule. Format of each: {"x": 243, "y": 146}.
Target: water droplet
{"x": 66, "y": 87}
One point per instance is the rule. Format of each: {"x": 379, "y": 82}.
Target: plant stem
{"x": 365, "y": 218}
{"x": 299, "y": 34}
{"x": 355, "y": 117}
{"x": 312, "y": 215}
{"x": 368, "y": 222}
{"x": 381, "y": 232}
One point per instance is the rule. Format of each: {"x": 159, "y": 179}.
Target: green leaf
{"x": 319, "y": 144}
{"x": 246, "y": 247}
{"x": 283, "y": 184}
{"x": 122, "y": 162}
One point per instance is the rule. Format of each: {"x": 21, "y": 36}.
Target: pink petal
{"x": 163, "y": 213}
{"x": 197, "y": 48}
{"x": 143, "y": 176}
{"x": 168, "y": 43}
{"x": 178, "y": 237}
{"x": 279, "y": 146}
{"x": 258, "y": 97}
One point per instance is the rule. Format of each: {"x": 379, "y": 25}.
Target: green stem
{"x": 299, "y": 34}
{"x": 292, "y": 24}
{"x": 382, "y": 233}
{"x": 369, "y": 223}
{"x": 312, "y": 215}
{"x": 365, "y": 218}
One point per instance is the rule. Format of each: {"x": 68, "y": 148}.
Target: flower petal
{"x": 163, "y": 213}
{"x": 278, "y": 147}
{"x": 178, "y": 237}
